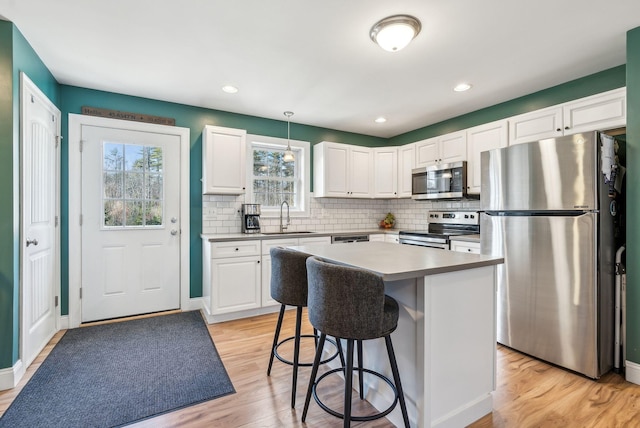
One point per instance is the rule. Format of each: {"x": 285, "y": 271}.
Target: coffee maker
{"x": 250, "y": 218}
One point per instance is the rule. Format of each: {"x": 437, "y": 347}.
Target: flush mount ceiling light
{"x": 462, "y": 87}
{"x": 229, "y": 89}
{"x": 380, "y": 120}
{"x": 395, "y": 32}
{"x": 288, "y": 154}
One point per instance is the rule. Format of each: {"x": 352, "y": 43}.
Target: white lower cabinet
{"x": 266, "y": 267}
{"x": 234, "y": 279}
{"x": 465, "y": 246}
{"x": 384, "y": 237}
{"x": 237, "y": 276}
{"x": 392, "y": 237}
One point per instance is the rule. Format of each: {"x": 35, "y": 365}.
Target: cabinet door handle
{"x": 566, "y": 127}
{"x": 559, "y": 129}
{"x": 258, "y": 261}
{"x": 237, "y": 249}
{"x": 32, "y": 241}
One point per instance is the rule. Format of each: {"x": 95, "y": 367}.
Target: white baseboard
{"x": 193, "y": 304}
{"x": 467, "y": 414}
{"x": 212, "y": 319}
{"x": 632, "y": 372}
{"x": 64, "y": 322}
{"x": 10, "y": 376}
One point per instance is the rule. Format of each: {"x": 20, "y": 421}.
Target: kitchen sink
{"x": 286, "y": 233}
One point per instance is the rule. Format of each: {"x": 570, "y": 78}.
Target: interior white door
{"x": 130, "y": 222}
{"x": 40, "y": 282}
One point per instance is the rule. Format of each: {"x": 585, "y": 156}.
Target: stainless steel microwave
{"x": 447, "y": 181}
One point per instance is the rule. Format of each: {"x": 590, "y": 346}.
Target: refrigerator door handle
{"x": 567, "y": 213}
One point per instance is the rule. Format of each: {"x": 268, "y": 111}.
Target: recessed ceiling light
{"x": 229, "y": 89}
{"x": 380, "y": 120}
{"x": 462, "y": 87}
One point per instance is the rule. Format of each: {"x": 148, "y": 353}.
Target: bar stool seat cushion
{"x": 337, "y": 313}
{"x": 288, "y": 276}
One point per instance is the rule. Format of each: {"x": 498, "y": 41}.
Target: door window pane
{"x": 133, "y": 180}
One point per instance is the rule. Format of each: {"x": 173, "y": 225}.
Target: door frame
{"x": 76, "y": 122}
{"x": 26, "y": 86}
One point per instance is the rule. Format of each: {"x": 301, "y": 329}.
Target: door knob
{"x": 32, "y": 241}
{"x": 174, "y": 232}
{"x": 173, "y": 219}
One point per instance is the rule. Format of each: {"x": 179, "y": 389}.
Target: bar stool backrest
{"x": 288, "y": 276}
{"x": 344, "y": 301}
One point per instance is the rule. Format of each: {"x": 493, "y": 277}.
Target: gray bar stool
{"x": 289, "y": 287}
{"x": 350, "y": 303}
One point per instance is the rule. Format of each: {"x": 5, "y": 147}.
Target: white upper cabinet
{"x": 534, "y": 126}
{"x": 597, "y": 112}
{"x": 406, "y": 162}
{"x": 223, "y": 160}
{"x": 443, "y": 149}
{"x": 342, "y": 170}
{"x": 360, "y": 172}
{"x": 489, "y": 136}
{"x": 385, "y": 162}
{"x": 427, "y": 152}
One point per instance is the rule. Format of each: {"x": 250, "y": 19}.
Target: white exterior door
{"x": 39, "y": 261}
{"x": 130, "y": 222}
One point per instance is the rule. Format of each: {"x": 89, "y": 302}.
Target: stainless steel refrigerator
{"x": 546, "y": 210}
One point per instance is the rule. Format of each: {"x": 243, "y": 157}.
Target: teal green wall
{"x": 16, "y": 55}
{"x": 194, "y": 118}
{"x": 633, "y": 195}
{"x": 600, "y": 82}
{"x": 8, "y": 288}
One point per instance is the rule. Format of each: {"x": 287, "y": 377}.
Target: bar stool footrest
{"x": 284, "y": 360}
{"x": 357, "y": 418}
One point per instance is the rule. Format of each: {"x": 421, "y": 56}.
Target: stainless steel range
{"x": 441, "y": 226}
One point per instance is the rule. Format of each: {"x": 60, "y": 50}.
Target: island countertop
{"x": 395, "y": 262}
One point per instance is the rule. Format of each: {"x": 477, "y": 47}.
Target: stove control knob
{"x": 466, "y": 216}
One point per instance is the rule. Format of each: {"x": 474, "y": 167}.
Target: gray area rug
{"x": 116, "y": 374}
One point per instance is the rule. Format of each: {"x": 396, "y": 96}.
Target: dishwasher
{"x": 346, "y": 239}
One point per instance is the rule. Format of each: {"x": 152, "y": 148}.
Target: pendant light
{"x": 393, "y": 33}
{"x": 288, "y": 154}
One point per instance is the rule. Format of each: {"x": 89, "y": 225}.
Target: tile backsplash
{"x": 221, "y": 214}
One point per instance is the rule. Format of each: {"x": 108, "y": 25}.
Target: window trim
{"x": 299, "y": 146}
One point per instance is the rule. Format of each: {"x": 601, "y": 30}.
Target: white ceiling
{"x": 316, "y": 59}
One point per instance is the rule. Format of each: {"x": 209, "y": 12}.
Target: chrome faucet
{"x": 284, "y": 226}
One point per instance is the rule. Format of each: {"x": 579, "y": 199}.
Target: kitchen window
{"x": 272, "y": 181}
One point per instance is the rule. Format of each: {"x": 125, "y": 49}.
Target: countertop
{"x": 293, "y": 234}
{"x": 395, "y": 262}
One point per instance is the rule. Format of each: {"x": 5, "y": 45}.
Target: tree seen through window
{"x": 132, "y": 185}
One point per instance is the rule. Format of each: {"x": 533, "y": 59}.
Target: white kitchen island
{"x": 445, "y": 342}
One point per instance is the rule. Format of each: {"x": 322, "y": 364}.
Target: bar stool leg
{"x": 275, "y": 338}
{"x": 296, "y": 356}
{"x": 340, "y": 352}
{"x": 348, "y": 384}
{"x": 396, "y": 380}
{"x": 360, "y": 372}
{"x": 314, "y": 373}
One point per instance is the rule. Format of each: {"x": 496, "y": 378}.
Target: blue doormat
{"x": 115, "y": 374}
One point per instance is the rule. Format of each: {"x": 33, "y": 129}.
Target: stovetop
{"x": 443, "y": 224}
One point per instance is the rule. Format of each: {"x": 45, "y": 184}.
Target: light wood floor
{"x": 529, "y": 393}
